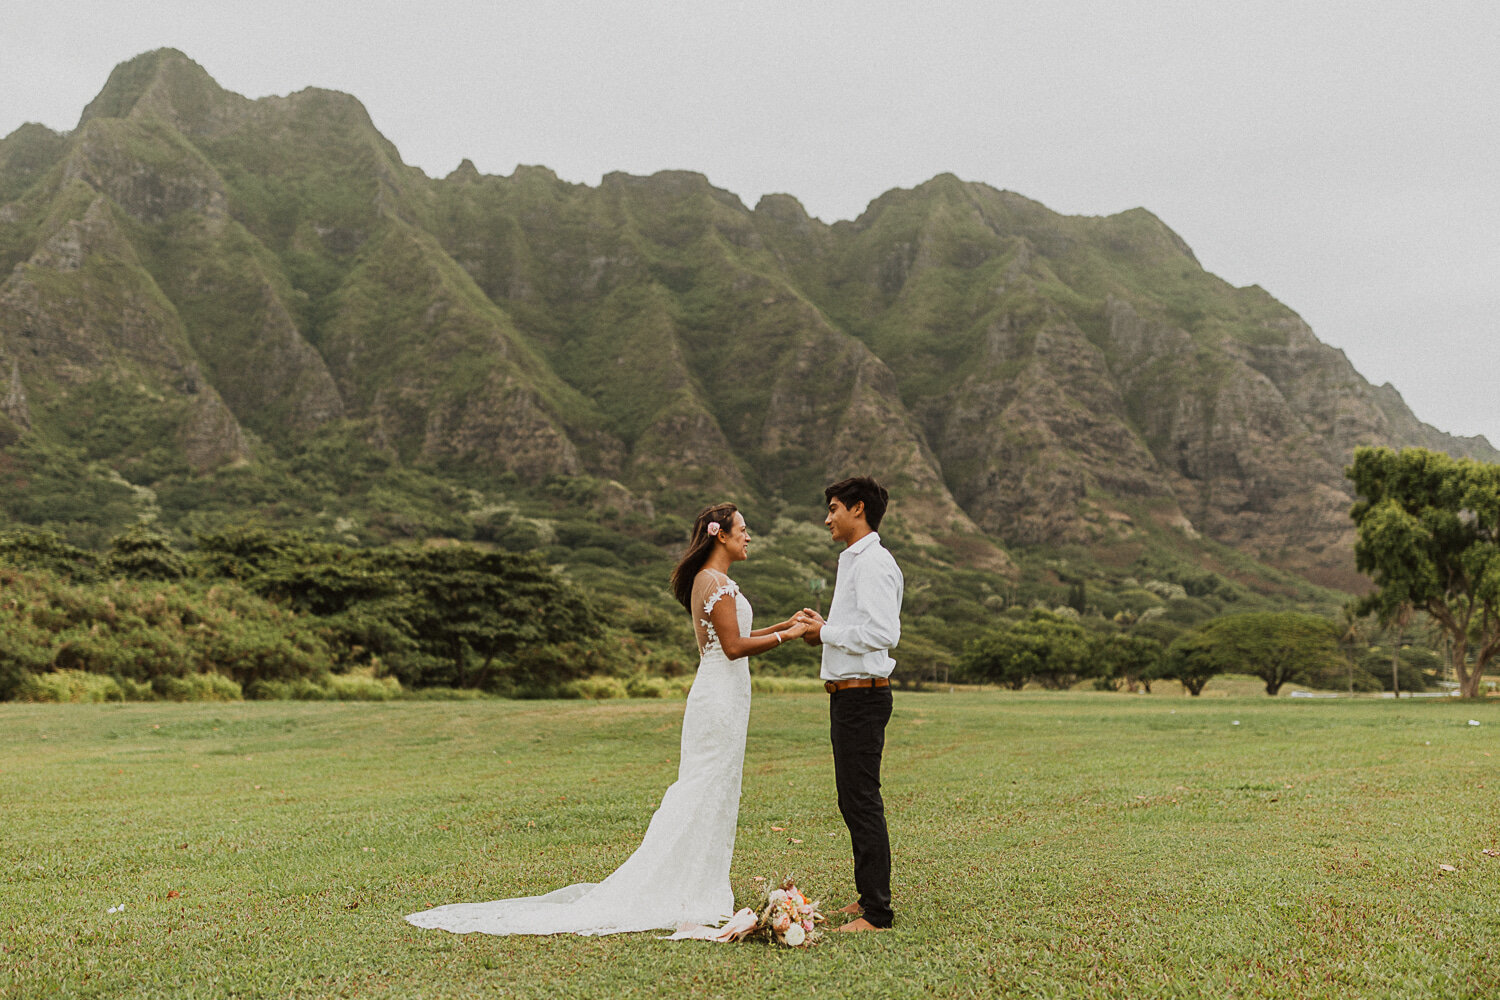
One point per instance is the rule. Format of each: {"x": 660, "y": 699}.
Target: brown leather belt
{"x": 857, "y": 682}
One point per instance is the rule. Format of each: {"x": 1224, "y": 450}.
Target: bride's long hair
{"x": 699, "y": 546}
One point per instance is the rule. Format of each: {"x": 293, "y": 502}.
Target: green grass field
{"x": 1072, "y": 845}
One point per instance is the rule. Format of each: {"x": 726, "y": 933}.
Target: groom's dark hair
{"x": 860, "y": 489}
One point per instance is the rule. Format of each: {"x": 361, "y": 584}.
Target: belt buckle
{"x": 830, "y": 687}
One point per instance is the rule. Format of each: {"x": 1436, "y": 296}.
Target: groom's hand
{"x": 814, "y": 621}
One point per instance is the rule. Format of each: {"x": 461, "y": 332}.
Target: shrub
{"x": 785, "y": 685}
{"x": 299, "y": 689}
{"x": 68, "y": 686}
{"x": 362, "y": 686}
{"x": 597, "y": 688}
{"x": 446, "y": 694}
{"x": 197, "y": 687}
{"x": 641, "y": 686}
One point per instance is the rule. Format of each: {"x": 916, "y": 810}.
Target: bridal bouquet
{"x": 789, "y": 917}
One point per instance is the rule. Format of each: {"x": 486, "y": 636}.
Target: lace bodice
{"x": 708, "y": 590}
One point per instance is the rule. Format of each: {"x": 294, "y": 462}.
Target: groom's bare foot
{"x": 855, "y": 926}
{"x": 852, "y": 908}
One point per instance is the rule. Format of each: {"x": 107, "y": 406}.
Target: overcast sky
{"x": 1343, "y": 155}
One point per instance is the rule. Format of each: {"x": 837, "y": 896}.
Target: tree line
{"x": 1056, "y": 652}
{"x": 1428, "y": 536}
{"x": 273, "y": 614}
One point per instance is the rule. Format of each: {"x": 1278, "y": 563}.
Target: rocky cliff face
{"x": 247, "y": 272}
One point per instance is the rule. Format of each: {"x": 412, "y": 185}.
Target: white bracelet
{"x": 778, "y": 638}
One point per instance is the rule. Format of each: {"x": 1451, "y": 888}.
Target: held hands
{"x": 794, "y": 628}
{"x": 813, "y": 623}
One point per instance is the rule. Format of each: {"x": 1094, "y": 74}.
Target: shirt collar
{"x": 873, "y": 538}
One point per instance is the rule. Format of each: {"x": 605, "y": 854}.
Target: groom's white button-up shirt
{"x": 864, "y": 617}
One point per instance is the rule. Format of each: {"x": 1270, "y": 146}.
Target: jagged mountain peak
{"x": 164, "y": 82}
{"x": 784, "y": 208}
{"x": 463, "y": 173}
{"x": 1041, "y": 377}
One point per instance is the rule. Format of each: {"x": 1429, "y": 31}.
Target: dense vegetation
{"x": 261, "y": 615}
{"x": 557, "y": 592}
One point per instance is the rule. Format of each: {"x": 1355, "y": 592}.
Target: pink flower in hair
{"x": 713, "y": 527}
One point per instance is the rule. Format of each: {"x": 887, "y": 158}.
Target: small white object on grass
{"x": 1473, "y": 722}
{"x": 1236, "y": 722}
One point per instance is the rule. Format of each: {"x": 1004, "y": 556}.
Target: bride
{"x": 680, "y": 873}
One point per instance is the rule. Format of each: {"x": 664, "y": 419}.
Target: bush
{"x": 785, "y": 685}
{"x": 642, "y": 686}
{"x": 597, "y": 688}
{"x": 68, "y": 686}
{"x": 300, "y": 689}
{"x": 261, "y": 650}
{"x": 363, "y": 686}
{"x": 197, "y": 687}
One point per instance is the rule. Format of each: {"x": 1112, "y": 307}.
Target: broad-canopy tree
{"x": 1192, "y": 659}
{"x": 1429, "y": 537}
{"x": 1045, "y": 648}
{"x": 1131, "y": 660}
{"x": 1279, "y": 647}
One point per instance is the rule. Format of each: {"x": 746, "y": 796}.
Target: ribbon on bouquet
{"x": 737, "y": 927}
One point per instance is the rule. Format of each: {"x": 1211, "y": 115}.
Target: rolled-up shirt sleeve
{"x": 877, "y": 617}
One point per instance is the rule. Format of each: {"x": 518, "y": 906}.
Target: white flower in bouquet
{"x": 794, "y": 935}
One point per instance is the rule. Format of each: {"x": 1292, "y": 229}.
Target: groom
{"x": 863, "y": 624}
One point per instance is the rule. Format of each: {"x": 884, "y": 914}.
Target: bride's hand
{"x": 795, "y": 630}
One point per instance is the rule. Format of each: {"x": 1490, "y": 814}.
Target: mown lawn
{"x": 1072, "y": 845}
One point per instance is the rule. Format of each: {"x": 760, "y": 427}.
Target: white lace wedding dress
{"x": 680, "y": 873}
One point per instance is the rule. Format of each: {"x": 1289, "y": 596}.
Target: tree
{"x": 1045, "y": 648}
{"x": 47, "y": 551}
{"x": 1003, "y": 658}
{"x": 454, "y": 616}
{"x": 464, "y": 603}
{"x": 1130, "y": 659}
{"x": 143, "y": 553}
{"x": 1277, "y": 646}
{"x": 1413, "y": 666}
{"x": 1398, "y": 618}
{"x": 1429, "y": 537}
{"x": 1192, "y": 660}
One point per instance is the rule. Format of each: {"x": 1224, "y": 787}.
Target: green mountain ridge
{"x": 197, "y": 282}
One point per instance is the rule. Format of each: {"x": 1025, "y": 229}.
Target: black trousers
{"x": 857, "y": 719}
